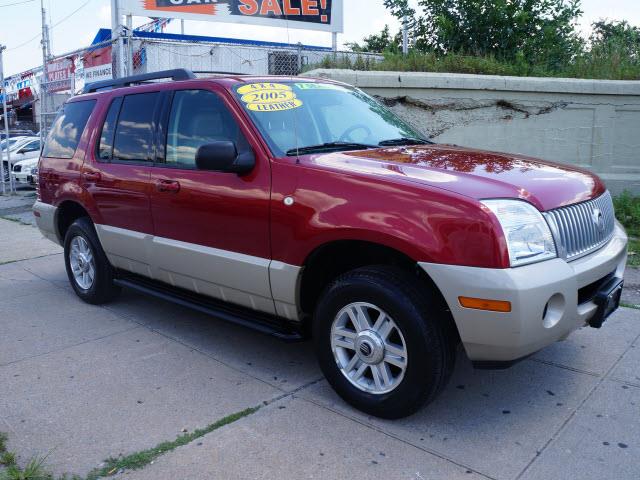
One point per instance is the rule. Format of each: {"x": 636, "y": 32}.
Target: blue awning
{"x": 104, "y": 34}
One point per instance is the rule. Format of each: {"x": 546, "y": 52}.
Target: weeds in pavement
{"x": 34, "y": 470}
{"x": 630, "y": 305}
{"x": 138, "y": 460}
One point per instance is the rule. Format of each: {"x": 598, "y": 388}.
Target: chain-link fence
{"x": 66, "y": 75}
{"x": 157, "y": 55}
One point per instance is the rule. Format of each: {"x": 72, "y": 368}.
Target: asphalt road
{"x": 81, "y": 384}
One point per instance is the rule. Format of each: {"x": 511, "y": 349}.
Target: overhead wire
{"x": 16, "y": 3}
{"x": 51, "y": 27}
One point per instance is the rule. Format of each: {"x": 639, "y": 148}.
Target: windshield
{"x": 11, "y": 141}
{"x": 304, "y": 117}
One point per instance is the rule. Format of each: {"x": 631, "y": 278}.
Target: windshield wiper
{"x": 404, "y": 141}
{"x": 328, "y": 147}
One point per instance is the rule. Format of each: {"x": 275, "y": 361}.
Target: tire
{"x": 99, "y": 289}
{"x": 417, "y": 324}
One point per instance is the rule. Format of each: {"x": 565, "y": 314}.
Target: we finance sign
{"x": 323, "y": 15}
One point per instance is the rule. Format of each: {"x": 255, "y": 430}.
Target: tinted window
{"x": 134, "y": 132}
{"x": 198, "y": 117}
{"x": 31, "y": 147}
{"x": 67, "y": 129}
{"x": 105, "y": 149}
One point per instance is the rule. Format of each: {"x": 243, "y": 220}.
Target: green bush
{"x": 608, "y": 63}
{"x": 628, "y": 212}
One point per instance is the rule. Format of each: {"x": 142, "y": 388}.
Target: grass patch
{"x": 610, "y": 66}
{"x": 634, "y": 253}
{"x": 628, "y": 213}
{"x": 630, "y": 305}
{"x": 138, "y": 460}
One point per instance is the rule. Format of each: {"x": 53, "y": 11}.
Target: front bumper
{"x": 543, "y": 296}
{"x": 23, "y": 178}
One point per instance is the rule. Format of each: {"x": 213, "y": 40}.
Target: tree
{"x": 616, "y": 36}
{"x": 378, "y": 43}
{"x": 536, "y": 31}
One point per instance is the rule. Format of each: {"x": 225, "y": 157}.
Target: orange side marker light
{"x": 484, "y": 304}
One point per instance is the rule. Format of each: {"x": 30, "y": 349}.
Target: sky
{"x": 20, "y": 25}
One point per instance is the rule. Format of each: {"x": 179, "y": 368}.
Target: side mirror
{"x": 223, "y": 157}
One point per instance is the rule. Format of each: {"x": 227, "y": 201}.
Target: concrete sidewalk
{"x": 81, "y": 384}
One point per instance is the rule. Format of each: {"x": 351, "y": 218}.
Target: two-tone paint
{"x": 246, "y": 239}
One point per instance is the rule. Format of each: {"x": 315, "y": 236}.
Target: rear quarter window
{"x": 67, "y": 129}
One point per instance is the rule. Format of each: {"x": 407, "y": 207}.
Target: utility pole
{"x": 6, "y": 123}
{"x": 44, "y": 84}
{"x": 116, "y": 34}
{"x": 4, "y": 94}
{"x": 405, "y": 36}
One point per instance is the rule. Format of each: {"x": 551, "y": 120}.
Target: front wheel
{"x": 88, "y": 269}
{"x": 382, "y": 343}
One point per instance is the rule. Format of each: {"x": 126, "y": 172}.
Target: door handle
{"x": 92, "y": 176}
{"x": 168, "y": 186}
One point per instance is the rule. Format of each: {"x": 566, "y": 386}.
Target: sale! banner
{"x": 323, "y": 15}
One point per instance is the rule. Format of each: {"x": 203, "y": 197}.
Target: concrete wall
{"x": 590, "y": 123}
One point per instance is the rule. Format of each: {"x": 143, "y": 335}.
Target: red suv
{"x": 303, "y": 207}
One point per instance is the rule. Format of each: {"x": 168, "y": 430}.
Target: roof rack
{"x": 176, "y": 75}
{"x": 216, "y": 72}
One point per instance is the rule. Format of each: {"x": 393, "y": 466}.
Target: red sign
{"x": 59, "y": 75}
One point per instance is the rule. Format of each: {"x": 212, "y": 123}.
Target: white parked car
{"x": 25, "y": 172}
{"x": 20, "y": 148}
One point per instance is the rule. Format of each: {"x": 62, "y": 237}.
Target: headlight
{"x": 529, "y": 238}
{"x": 34, "y": 171}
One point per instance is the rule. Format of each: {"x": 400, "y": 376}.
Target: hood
{"x": 30, "y": 162}
{"x": 474, "y": 173}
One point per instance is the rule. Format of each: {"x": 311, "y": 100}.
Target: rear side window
{"x": 134, "y": 132}
{"x": 105, "y": 150}
{"x": 67, "y": 129}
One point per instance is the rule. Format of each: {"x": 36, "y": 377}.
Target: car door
{"x": 211, "y": 229}
{"x": 116, "y": 176}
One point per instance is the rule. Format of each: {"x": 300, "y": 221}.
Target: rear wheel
{"x": 88, "y": 269}
{"x": 382, "y": 342}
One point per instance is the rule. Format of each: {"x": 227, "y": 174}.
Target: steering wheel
{"x": 347, "y": 133}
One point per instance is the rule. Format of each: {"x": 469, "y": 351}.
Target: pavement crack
{"x": 564, "y": 367}
{"x": 557, "y": 433}
{"x": 435, "y": 453}
{"x": 67, "y": 347}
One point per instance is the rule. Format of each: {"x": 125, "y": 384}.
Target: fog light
{"x": 553, "y": 311}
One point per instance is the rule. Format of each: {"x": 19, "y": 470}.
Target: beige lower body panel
{"x": 46, "y": 219}
{"x": 228, "y": 276}
{"x": 490, "y": 336}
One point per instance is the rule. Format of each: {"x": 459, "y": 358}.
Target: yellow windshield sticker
{"x": 274, "y": 107}
{"x": 318, "y": 86}
{"x": 268, "y": 97}
{"x": 256, "y": 87}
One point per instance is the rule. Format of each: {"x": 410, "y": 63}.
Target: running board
{"x": 260, "y": 322}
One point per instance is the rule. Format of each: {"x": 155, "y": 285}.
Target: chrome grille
{"x": 579, "y": 230}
